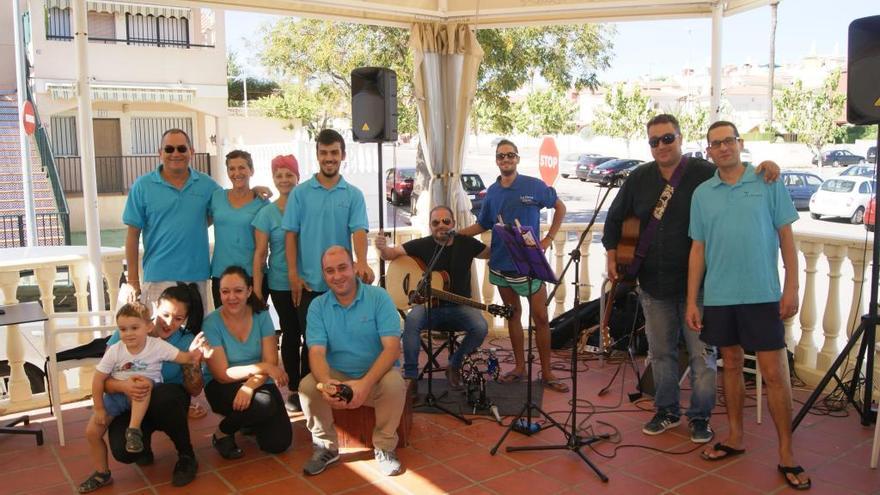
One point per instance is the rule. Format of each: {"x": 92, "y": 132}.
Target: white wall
{"x": 110, "y": 208}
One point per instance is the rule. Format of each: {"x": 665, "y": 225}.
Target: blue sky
{"x": 665, "y": 47}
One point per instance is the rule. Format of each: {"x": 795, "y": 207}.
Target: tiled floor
{"x": 447, "y": 456}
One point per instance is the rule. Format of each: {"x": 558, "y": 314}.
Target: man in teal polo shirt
{"x": 353, "y": 338}
{"x": 170, "y": 207}
{"x": 739, "y": 224}
{"x": 323, "y": 211}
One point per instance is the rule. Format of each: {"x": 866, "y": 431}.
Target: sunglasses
{"x": 502, "y": 156}
{"x": 445, "y": 221}
{"x": 665, "y": 139}
{"x": 180, "y": 149}
{"x": 728, "y": 141}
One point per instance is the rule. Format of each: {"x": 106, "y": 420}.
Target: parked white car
{"x": 844, "y": 197}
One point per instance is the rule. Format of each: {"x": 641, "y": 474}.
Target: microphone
{"x": 451, "y": 233}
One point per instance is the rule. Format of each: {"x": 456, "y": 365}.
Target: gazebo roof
{"x": 488, "y": 13}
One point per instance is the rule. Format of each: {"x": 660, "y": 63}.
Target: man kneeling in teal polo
{"x": 353, "y": 338}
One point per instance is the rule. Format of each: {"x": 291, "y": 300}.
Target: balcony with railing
{"x": 116, "y": 174}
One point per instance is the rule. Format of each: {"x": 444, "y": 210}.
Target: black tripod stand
{"x": 574, "y": 442}
{"x": 866, "y": 333}
{"x": 424, "y": 287}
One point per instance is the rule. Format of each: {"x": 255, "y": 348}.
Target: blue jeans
{"x": 665, "y": 327}
{"x": 463, "y": 318}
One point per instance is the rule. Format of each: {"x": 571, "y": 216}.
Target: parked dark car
{"x": 399, "y": 185}
{"x": 613, "y": 172}
{"x": 871, "y": 156}
{"x": 837, "y": 158}
{"x": 801, "y": 187}
{"x": 568, "y": 164}
{"x": 588, "y": 163}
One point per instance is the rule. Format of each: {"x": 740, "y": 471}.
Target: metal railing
{"x": 116, "y": 174}
{"x": 134, "y": 41}
{"x": 52, "y": 230}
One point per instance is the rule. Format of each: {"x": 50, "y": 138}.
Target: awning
{"x": 127, "y": 94}
{"x": 125, "y": 8}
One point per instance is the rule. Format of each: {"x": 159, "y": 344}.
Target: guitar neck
{"x": 455, "y": 298}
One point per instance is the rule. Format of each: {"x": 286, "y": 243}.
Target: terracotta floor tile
{"x": 293, "y": 485}
{"x": 436, "y": 478}
{"x": 842, "y": 473}
{"x": 475, "y": 490}
{"x": 715, "y": 485}
{"x": 125, "y": 477}
{"x": 618, "y": 483}
{"x": 760, "y": 474}
{"x": 205, "y": 483}
{"x": 440, "y": 448}
{"x": 667, "y": 474}
{"x": 24, "y": 480}
{"x": 253, "y": 473}
{"x": 343, "y": 476}
{"x": 525, "y": 482}
{"x": 480, "y": 466}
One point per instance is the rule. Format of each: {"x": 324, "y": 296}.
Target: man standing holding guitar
{"x": 659, "y": 194}
{"x": 455, "y": 260}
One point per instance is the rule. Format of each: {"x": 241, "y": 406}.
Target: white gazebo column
{"x": 19, "y": 386}
{"x": 717, "y": 21}
{"x": 559, "y": 253}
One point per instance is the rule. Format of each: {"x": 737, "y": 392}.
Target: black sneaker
{"x": 146, "y": 457}
{"x": 292, "y": 404}
{"x": 701, "y": 432}
{"x": 660, "y": 423}
{"x": 184, "y": 470}
{"x": 226, "y": 447}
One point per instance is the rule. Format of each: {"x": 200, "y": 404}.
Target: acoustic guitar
{"x": 626, "y": 253}
{"x": 403, "y": 276}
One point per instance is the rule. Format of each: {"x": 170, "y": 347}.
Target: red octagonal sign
{"x": 28, "y": 120}
{"x": 548, "y": 161}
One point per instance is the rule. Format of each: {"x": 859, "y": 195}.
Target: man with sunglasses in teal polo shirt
{"x": 170, "y": 207}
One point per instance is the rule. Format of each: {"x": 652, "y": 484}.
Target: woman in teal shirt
{"x": 269, "y": 238}
{"x": 232, "y": 211}
{"x": 243, "y": 373}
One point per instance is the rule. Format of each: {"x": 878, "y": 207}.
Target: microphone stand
{"x": 424, "y": 287}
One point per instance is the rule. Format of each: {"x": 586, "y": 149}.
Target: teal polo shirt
{"x": 238, "y": 353}
{"x": 352, "y": 335}
{"x": 268, "y": 221}
{"x": 738, "y": 225}
{"x": 174, "y": 225}
{"x": 322, "y": 218}
{"x": 171, "y": 371}
{"x": 233, "y": 233}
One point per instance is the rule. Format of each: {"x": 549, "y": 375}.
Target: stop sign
{"x": 548, "y": 161}
{"x": 28, "y": 120}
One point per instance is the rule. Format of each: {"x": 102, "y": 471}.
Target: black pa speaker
{"x": 374, "y": 104}
{"x": 863, "y": 76}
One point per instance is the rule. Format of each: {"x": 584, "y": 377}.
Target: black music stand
{"x": 16, "y": 314}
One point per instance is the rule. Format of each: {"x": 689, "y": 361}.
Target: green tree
{"x": 295, "y": 103}
{"x": 693, "y": 120}
{"x": 624, "y": 114}
{"x": 812, "y": 113}
{"x": 545, "y": 112}
{"x": 323, "y": 53}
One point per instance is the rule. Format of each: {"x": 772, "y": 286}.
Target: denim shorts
{"x": 755, "y": 327}
{"x": 116, "y": 404}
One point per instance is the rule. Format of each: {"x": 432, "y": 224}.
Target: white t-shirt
{"x": 121, "y": 365}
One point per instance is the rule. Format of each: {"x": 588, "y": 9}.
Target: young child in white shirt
{"x": 137, "y": 356}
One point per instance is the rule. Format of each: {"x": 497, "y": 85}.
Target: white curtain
{"x": 446, "y": 58}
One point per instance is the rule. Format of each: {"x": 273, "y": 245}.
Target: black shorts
{"x": 756, "y": 327}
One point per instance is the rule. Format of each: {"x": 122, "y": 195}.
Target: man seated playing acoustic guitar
{"x": 446, "y": 316}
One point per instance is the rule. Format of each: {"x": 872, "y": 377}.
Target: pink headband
{"x": 286, "y": 161}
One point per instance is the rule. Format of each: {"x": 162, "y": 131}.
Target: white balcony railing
{"x": 833, "y": 292}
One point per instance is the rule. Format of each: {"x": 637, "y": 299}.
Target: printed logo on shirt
{"x": 753, "y": 194}
{"x": 528, "y": 200}
{"x": 132, "y": 366}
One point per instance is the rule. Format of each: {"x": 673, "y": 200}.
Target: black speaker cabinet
{"x": 863, "y": 77}
{"x": 374, "y": 104}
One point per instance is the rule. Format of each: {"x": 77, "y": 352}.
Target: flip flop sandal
{"x": 728, "y": 452}
{"x": 511, "y": 377}
{"x": 794, "y": 470}
{"x": 95, "y": 481}
{"x": 197, "y": 411}
{"x": 555, "y": 385}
